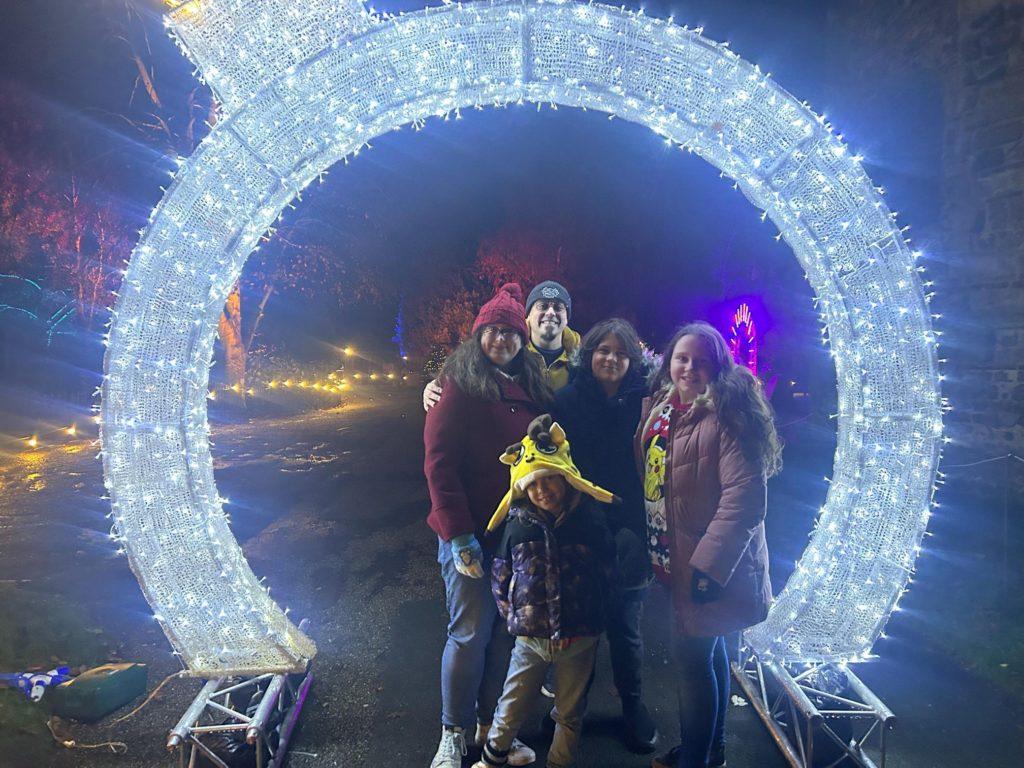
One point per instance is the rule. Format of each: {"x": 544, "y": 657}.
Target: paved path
{"x": 331, "y": 510}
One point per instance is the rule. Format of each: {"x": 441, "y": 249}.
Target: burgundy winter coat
{"x": 463, "y": 438}
{"x": 715, "y": 502}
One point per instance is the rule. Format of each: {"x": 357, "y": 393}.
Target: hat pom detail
{"x": 505, "y": 308}
{"x": 513, "y": 290}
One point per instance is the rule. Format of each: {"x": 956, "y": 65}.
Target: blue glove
{"x": 32, "y": 684}
{"x": 468, "y": 556}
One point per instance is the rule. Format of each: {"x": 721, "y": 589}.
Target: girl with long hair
{"x": 706, "y": 446}
{"x": 599, "y": 410}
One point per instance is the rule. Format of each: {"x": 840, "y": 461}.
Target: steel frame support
{"x": 221, "y": 706}
{"x": 820, "y": 702}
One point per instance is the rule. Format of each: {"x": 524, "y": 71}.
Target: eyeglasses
{"x": 556, "y": 306}
{"x": 501, "y": 333}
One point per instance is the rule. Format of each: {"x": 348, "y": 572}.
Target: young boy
{"x": 550, "y": 578}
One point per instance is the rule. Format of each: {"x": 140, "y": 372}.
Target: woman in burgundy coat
{"x": 706, "y": 447}
{"x": 492, "y": 391}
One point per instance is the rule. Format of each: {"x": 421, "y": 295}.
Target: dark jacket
{"x": 715, "y": 502}
{"x": 463, "y": 437}
{"x": 553, "y": 581}
{"x": 600, "y": 430}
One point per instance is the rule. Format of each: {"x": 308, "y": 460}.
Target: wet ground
{"x": 330, "y": 508}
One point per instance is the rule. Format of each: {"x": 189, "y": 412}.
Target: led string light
{"x": 331, "y": 385}
{"x": 306, "y": 85}
{"x": 44, "y": 437}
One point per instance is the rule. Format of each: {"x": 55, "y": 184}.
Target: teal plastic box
{"x": 97, "y": 692}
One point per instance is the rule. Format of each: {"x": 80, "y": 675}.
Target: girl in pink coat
{"x": 706, "y": 446}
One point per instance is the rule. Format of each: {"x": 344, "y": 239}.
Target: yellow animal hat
{"x": 544, "y": 451}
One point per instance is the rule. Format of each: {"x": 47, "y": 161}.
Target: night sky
{"x": 668, "y": 239}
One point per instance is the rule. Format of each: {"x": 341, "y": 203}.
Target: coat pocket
{"x": 512, "y": 592}
{"x": 683, "y": 522}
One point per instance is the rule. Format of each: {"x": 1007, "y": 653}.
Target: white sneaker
{"x": 450, "y": 750}
{"x": 518, "y": 754}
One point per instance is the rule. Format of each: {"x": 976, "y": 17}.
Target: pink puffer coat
{"x": 715, "y": 500}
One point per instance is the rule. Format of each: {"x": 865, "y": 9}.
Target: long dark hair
{"x": 473, "y": 372}
{"x": 737, "y": 395}
{"x": 627, "y": 336}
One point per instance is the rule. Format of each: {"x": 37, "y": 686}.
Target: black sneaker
{"x": 671, "y": 759}
{"x": 640, "y": 732}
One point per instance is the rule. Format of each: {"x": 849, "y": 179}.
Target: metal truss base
{"x": 254, "y": 715}
{"x": 822, "y": 716}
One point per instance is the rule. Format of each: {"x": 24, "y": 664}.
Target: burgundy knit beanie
{"x": 506, "y": 308}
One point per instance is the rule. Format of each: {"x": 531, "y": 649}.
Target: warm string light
{"x": 304, "y": 85}
{"x": 333, "y": 384}
{"x": 39, "y": 438}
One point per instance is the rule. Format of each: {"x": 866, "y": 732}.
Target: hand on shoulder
{"x": 431, "y": 394}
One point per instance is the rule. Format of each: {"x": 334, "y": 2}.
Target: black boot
{"x": 639, "y": 729}
{"x": 671, "y": 759}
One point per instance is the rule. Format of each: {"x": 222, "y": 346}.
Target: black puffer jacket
{"x": 600, "y": 430}
{"x": 553, "y": 581}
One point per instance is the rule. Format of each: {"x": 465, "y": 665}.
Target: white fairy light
{"x": 304, "y": 85}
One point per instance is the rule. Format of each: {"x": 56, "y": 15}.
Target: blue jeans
{"x": 478, "y": 648}
{"x": 626, "y": 644}
{"x": 703, "y": 666}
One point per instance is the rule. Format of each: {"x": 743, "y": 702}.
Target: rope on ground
{"x": 1004, "y": 457}
{"x": 149, "y": 698}
{"x": 117, "y": 747}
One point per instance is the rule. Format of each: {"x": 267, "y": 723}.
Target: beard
{"x": 550, "y": 331}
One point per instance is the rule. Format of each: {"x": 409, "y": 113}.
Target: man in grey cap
{"x": 547, "y": 315}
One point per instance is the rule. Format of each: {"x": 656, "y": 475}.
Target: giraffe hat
{"x": 544, "y": 451}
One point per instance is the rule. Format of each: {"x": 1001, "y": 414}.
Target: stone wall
{"x": 983, "y": 206}
{"x": 974, "y": 50}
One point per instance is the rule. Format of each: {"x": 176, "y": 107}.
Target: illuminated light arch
{"x": 743, "y": 338}
{"x": 305, "y": 85}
